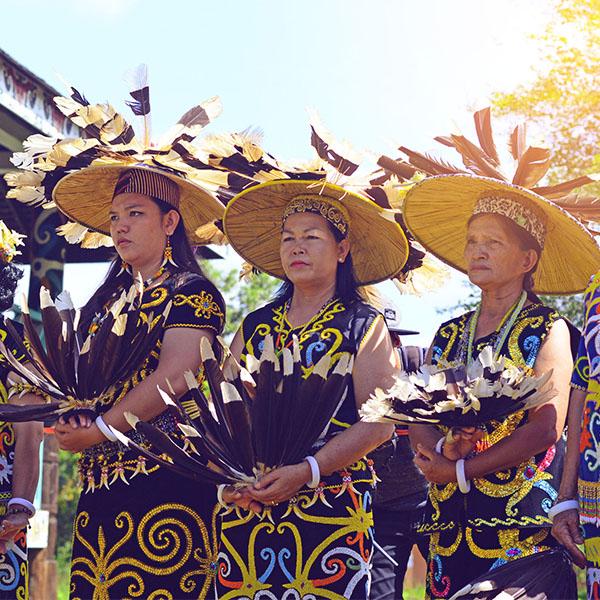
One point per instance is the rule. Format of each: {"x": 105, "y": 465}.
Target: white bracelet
{"x": 315, "y": 472}
{"x": 22, "y": 502}
{"x": 105, "y": 430}
{"x": 562, "y": 507}
{"x": 464, "y": 485}
{"x": 440, "y": 445}
{"x": 220, "y": 490}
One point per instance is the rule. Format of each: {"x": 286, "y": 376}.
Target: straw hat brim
{"x": 252, "y": 224}
{"x": 437, "y": 211}
{"x": 85, "y": 196}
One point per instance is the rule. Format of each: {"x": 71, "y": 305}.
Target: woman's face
{"x": 139, "y": 229}
{"x": 494, "y": 256}
{"x": 309, "y": 251}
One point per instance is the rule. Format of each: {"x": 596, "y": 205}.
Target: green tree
{"x": 564, "y": 99}
{"x": 242, "y": 297}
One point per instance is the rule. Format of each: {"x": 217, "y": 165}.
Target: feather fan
{"x": 253, "y": 419}
{"x": 491, "y": 389}
{"x": 78, "y": 369}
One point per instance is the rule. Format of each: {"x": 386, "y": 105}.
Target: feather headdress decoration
{"x": 482, "y": 159}
{"x": 490, "y": 389}
{"x": 78, "y": 370}
{"x": 9, "y": 242}
{"x": 252, "y": 420}
{"x": 333, "y": 173}
{"x": 108, "y": 146}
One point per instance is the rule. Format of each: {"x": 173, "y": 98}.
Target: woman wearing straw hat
{"x": 324, "y": 242}
{"x": 491, "y": 492}
{"x": 140, "y": 531}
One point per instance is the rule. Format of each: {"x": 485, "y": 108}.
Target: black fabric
{"x": 396, "y": 533}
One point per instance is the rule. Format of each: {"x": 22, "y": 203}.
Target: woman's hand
{"x": 281, "y": 484}
{"x": 435, "y": 467}
{"x": 241, "y": 497}
{"x": 11, "y": 524}
{"x": 463, "y": 441}
{"x": 78, "y": 438}
{"x": 565, "y": 528}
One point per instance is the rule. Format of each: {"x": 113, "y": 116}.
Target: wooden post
{"x": 43, "y": 578}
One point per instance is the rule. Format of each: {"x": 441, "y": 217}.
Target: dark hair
{"x": 183, "y": 255}
{"x": 9, "y": 278}
{"x": 347, "y": 289}
{"x": 526, "y": 242}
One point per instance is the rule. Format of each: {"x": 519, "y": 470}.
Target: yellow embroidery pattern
{"x": 166, "y": 537}
{"x": 203, "y": 304}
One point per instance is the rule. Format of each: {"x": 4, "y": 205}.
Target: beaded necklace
{"x": 501, "y": 333}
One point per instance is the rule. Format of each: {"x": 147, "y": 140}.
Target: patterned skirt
{"x": 316, "y": 545}
{"x": 459, "y": 555}
{"x": 14, "y": 572}
{"x": 154, "y": 537}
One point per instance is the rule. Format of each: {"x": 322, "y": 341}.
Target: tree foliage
{"x": 564, "y": 99}
{"x": 242, "y": 297}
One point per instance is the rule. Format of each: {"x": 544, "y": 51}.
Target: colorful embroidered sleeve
{"x": 581, "y": 368}
{"x": 587, "y": 365}
{"x": 197, "y": 304}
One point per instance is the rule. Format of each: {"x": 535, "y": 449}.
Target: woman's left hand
{"x": 281, "y": 484}
{"x": 77, "y": 439}
{"x": 435, "y": 467}
{"x": 9, "y": 527}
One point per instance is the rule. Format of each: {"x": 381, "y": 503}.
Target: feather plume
{"x": 140, "y": 105}
{"x": 340, "y": 155}
{"x": 483, "y": 126}
{"x": 533, "y": 165}
{"x": 518, "y": 141}
{"x": 428, "y": 164}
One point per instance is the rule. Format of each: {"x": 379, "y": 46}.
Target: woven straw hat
{"x": 437, "y": 211}
{"x": 253, "y": 220}
{"x": 85, "y": 197}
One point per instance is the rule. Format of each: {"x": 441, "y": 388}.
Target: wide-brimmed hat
{"x": 79, "y": 174}
{"x": 85, "y": 196}
{"x": 437, "y": 211}
{"x": 253, "y": 221}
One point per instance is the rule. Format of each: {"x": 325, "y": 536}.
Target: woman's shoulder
{"x": 186, "y": 280}
{"x": 539, "y": 309}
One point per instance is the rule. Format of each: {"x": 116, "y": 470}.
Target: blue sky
{"x": 380, "y": 72}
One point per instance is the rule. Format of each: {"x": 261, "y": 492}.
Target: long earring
{"x": 168, "y": 254}
{"x": 125, "y": 268}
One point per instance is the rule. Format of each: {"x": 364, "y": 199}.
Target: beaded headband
{"x": 514, "y": 209}
{"x": 149, "y": 183}
{"x": 328, "y": 208}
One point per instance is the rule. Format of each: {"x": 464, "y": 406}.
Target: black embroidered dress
{"x": 505, "y": 515}
{"x": 319, "y": 543}
{"x": 141, "y": 531}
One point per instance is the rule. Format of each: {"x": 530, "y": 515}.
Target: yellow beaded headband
{"x": 328, "y": 208}
{"x": 516, "y": 211}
